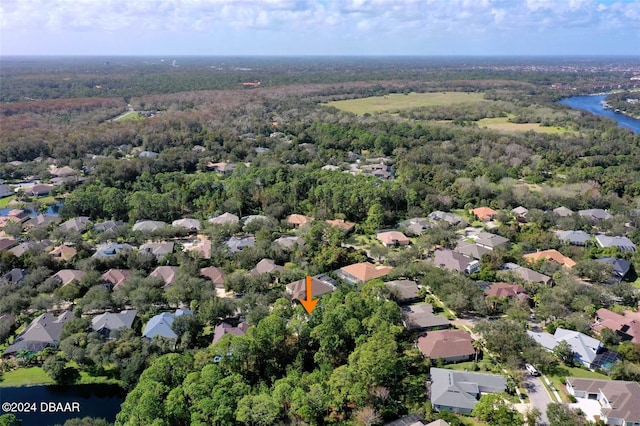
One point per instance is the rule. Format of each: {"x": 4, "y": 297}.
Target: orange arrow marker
{"x": 309, "y": 303}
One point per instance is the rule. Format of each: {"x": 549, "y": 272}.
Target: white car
{"x": 532, "y": 370}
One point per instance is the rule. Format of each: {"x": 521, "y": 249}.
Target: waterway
{"x": 592, "y": 104}
{"x": 53, "y": 405}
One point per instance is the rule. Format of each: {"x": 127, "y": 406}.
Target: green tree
{"x": 9, "y": 420}
{"x": 56, "y": 367}
{"x": 560, "y": 414}
{"x": 375, "y": 219}
{"x": 492, "y": 408}
{"x": 564, "y": 352}
{"x": 259, "y": 410}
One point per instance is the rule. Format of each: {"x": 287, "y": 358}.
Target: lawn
{"x": 636, "y": 283}
{"x": 130, "y": 116}
{"x": 503, "y": 124}
{"x": 25, "y": 377}
{"x": 4, "y": 202}
{"x": 395, "y": 102}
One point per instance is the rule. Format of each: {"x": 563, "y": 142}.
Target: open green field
{"x": 31, "y": 376}
{"x": 130, "y": 116}
{"x": 503, "y": 124}
{"x": 4, "y": 202}
{"x": 395, "y": 102}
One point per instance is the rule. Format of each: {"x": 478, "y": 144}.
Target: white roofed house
{"x": 619, "y": 242}
{"x": 107, "y": 322}
{"x": 193, "y": 225}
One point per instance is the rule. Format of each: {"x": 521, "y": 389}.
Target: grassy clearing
{"x": 130, "y": 116}
{"x": 26, "y": 377}
{"x": 636, "y": 283}
{"x": 4, "y": 202}
{"x": 394, "y": 102}
{"x": 503, "y": 124}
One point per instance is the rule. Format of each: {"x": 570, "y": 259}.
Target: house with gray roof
{"x": 471, "y": 250}
{"x": 619, "y": 242}
{"x": 595, "y": 215}
{"x": 42, "y": 332}
{"x": 453, "y": 261}
{"x": 289, "y": 243}
{"x": 618, "y": 399}
{"x": 414, "y": 226}
{"x": 160, "y": 325}
{"x": 78, "y": 224}
{"x": 41, "y": 220}
{"x": 111, "y": 249}
{"x": 158, "y": 250}
{"x": 225, "y": 219}
{"x": 192, "y": 225}
{"x": 574, "y": 238}
{"x": 30, "y": 246}
{"x": 585, "y": 348}
{"x": 620, "y": 267}
{"x": 563, "y": 211}
{"x": 105, "y": 323}
{"x": 149, "y": 225}
{"x": 236, "y": 244}
{"x": 450, "y": 218}
{"x": 14, "y": 276}
{"x": 403, "y": 291}
{"x": 491, "y": 241}
{"x": 5, "y": 191}
{"x": 108, "y": 226}
{"x": 459, "y": 391}
{"x": 526, "y": 274}
{"x": 421, "y": 318}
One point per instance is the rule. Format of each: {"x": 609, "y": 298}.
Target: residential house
{"x": 226, "y": 328}
{"x": 421, "y": 318}
{"x": 5, "y": 191}
{"x": 471, "y": 250}
{"x": 403, "y": 291}
{"x": 618, "y": 399}
{"x": 289, "y": 243}
{"x": 563, "y": 211}
{"x": 193, "y": 225}
{"x": 520, "y": 213}
{"x": 111, "y": 249}
{"x": 221, "y": 168}
{"x": 201, "y": 246}
{"x": 362, "y": 272}
{"x": 115, "y": 278}
{"x": 450, "y": 218}
{"x": 298, "y": 220}
{"x": 78, "y": 224}
{"x": 392, "y": 238}
{"x": 447, "y": 345}
{"x": 342, "y": 225}
{"x": 574, "y": 238}
{"x": 585, "y": 348}
{"x": 416, "y": 420}
{"x": 453, "y": 261}
{"x": 14, "y": 276}
{"x": 108, "y": 226}
{"x": 236, "y": 244}
{"x": 485, "y": 214}
{"x": 166, "y": 274}
{"x": 550, "y": 256}
{"x": 148, "y": 154}
{"x": 527, "y": 275}
{"x": 459, "y": 391}
{"x": 266, "y": 266}
{"x": 149, "y": 225}
{"x": 225, "y": 219}
{"x": 158, "y": 250}
{"x": 320, "y": 285}
{"x": 506, "y": 291}
{"x": 216, "y": 275}
{"x": 30, "y": 246}
{"x": 39, "y": 190}
{"x": 42, "y": 332}
{"x": 107, "y": 322}
{"x": 619, "y": 242}
{"x": 63, "y": 253}
{"x": 67, "y": 276}
{"x": 41, "y": 220}
{"x": 18, "y": 215}
{"x": 619, "y": 268}
{"x": 595, "y": 215}
{"x": 160, "y": 325}
{"x": 415, "y": 226}
{"x": 627, "y": 327}
{"x": 6, "y": 243}
{"x": 491, "y": 241}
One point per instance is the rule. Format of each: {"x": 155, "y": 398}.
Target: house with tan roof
{"x": 320, "y": 285}
{"x": 506, "y": 291}
{"x": 216, "y": 275}
{"x": 116, "y": 277}
{"x": 226, "y": 328}
{"x": 362, "y": 272}
{"x": 550, "y": 256}
{"x": 67, "y": 276}
{"x": 485, "y": 214}
{"x": 626, "y": 326}
{"x": 201, "y": 247}
{"x": 617, "y": 399}
{"x": 63, "y": 253}
{"x": 447, "y": 345}
{"x": 166, "y": 273}
{"x": 342, "y": 225}
{"x": 392, "y": 238}
{"x": 266, "y": 266}
{"x": 298, "y": 220}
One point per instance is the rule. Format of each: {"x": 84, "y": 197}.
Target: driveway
{"x": 538, "y": 396}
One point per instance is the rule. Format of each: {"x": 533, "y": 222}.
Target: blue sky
{"x": 320, "y": 27}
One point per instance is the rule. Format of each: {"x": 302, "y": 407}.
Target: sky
{"x": 320, "y": 27}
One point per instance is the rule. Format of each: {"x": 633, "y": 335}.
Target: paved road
{"x": 538, "y": 396}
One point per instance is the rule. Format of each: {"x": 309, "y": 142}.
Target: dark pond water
{"x": 53, "y": 405}
{"x": 592, "y": 104}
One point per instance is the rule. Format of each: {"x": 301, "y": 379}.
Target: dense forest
{"x": 153, "y": 140}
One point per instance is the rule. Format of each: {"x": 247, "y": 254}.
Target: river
{"x": 53, "y": 405}
{"x": 592, "y": 104}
